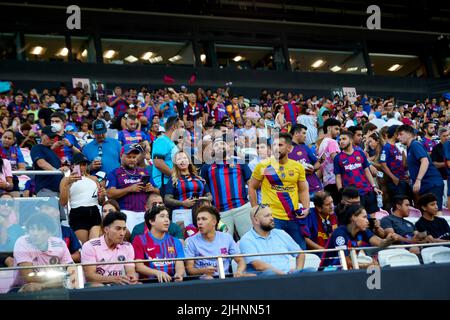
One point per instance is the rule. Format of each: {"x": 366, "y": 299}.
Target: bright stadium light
{"x": 318, "y": 64}
{"x": 109, "y": 54}
{"x": 37, "y": 50}
{"x": 147, "y": 55}
{"x": 395, "y": 67}
{"x": 336, "y": 69}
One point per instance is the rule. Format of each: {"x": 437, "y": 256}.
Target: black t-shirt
{"x": 438, "y": 228}
{"x": 46, "y": 114}
{"x": 401, "y": 226}
{"x": 437, "y": 155}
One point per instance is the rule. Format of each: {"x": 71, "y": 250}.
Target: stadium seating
{"x": 397, "y": 258}
{"x": 436, "y": 255}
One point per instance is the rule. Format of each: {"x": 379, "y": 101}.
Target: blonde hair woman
{"x": 184, "y": 188}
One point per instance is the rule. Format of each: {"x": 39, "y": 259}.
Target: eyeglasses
{"x": 157, "y": 204}
{"x": 260, "y": 206}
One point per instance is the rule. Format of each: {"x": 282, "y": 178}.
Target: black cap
{"x": 79, "y": 158}
{"x": 392, "y": 129}
{"x": 99, "y": 126}
{"x": 50, "y": 131}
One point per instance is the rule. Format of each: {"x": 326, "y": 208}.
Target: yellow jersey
{"x": 279, "y": 186}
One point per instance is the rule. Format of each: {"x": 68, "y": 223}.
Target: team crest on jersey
{"x": 171, "y": 249}
{"x": 358, "y": 158}
{"x": 223, "y": 251}
{"x": 299, "y": 153}
{"x": 291, "y": 173}
{"x": 340, "y": 241}
{"x": 121, "y": 258}
{"x": 54, "y": 260}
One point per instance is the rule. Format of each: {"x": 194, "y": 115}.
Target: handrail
{"x": 37, "y": 173}
{"x": 222, "y": 256}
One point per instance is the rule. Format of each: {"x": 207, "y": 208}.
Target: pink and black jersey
{"x": 429, "y": 144}
{"x": 227, "y": 184}
{"x": 96, "y": 250}
{"x": 351, "y": 168}
{"x": 393, "y": 158}
{"x": 186, "y": 187}
{"x": 148, "y": 247}
{"x": 120, "y": 179}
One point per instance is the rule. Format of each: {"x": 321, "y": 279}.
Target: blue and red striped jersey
{"x": 148, "y": 247}
{"x": 227, "y": 182}
{"x": 291, "y": 112}
{"x": 429, "y": 144}
{"x": 393, "y": 158}
{"x": 186, "y": 187}
{"x": 351, "y": 168}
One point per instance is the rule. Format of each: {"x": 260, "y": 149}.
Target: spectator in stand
{"x": 25, "y": 136}
{"x": 434, "y": 226}
{"x": 209, "y": 242}
{"x": 393, "y": 164}
{"x": 310, "y": 122}
{"x": 168, "y": 108}
{"x": 226, "y": 180}
{"x": 131, "y": 134}
{"x": 14, "y": 155}
{"x": 157, "y": 243}
{"x": 65, "y": 145}
{"x": 110, "y": 247}
{"x": 164, "y": 150}
{"x": 233, "y": 110}
{"x": 303, "y": 154}
{"x": 438, "y": 158}
{"x": 84, "y": 194}
{"x": 109, "y": 206}
{"x": 318, "y": 226}
{"x": 352, "y": 169}
{"x": 353, "y": 233}
{"x": 283, "y": 185}
{"x": 396, "y": 223}
{"x": 264, "y": 238}
{"x": 252, "y": 114}
{"x": 184, "y": 188}
{"x": 291, "y": 112}
{"x": 155, "y": 199}
{"x": 118, "y": 102}
{"x": 192, "y": 111}
{"x": 39, "y": 246}
{"x": 423, "y": 173}
{"x": 328, "y": 148}
{"x": 128, "y": 186}
{"x": 45, "y": 159}
{"x": 103, "y": 152}
{"x": 16, "y": 107}
{"x": 4, "y": 124}
{"x": 430, "y": 129}
{"x": 10, "y": 230}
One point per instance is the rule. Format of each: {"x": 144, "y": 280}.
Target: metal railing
{"x": 37, "y": 173}
{"x": 79, "y": 275}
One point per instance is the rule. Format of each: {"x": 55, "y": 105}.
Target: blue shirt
{"x": 223, "y": 244}
{"x": 14, "y": 155}
{"x": 71, "y": 240}
{"x": 171, "y": 112}
{"x": 165, "y": 149}
{"x": 50, "y": 182}
{"x": 111, "y": 153}
{"x": 277, "y": 241}
{"x": 342, "y": 239}
{"x": 68, "y": 153}
{"x": 432, "y": 177}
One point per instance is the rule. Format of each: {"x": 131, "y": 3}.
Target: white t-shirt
{"x": 84, "y": 193}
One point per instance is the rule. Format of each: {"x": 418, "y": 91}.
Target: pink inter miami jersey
{"x": 96, "y": 250}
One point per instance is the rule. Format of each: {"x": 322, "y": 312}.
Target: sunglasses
{"x": 260, "y": 206}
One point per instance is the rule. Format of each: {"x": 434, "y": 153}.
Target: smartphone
{"x": 76, "y": 169}
{"x": 145, "y": 180}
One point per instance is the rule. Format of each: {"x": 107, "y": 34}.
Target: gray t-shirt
{"x": 401, "y": 226}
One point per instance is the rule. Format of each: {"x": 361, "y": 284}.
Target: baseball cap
{"x": 128, "y": 148}
{"x": 70, "y": 128}
{"x": 50, "y": 131}
{"x": 378, "y": 114}
{"x": 34, "y": 100}
{"x": 99, "y": 127}
{"x": 79, "y": 158}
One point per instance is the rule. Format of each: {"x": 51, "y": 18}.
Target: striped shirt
{"x": 148, "y": 247}
{"x": 186, "y": 187}
{"x": 291, "y": 112}
{"x": 227, "y": 184}
{"x": 121, "y": 179}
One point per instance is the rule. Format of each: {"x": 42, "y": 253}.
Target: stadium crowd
{"x": 153, "y": 174}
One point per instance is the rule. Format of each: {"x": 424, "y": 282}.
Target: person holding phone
{"x": 84, "y": 194}
{"x": 184, "y": 188}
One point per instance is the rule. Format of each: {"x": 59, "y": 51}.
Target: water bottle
{"x": 380, "y": 201}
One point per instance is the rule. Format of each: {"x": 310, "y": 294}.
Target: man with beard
{"x": 283, "y": 185}
{"x": 351, "y": 168}
{"x": 226, "y": 180}
{"x": 130, "y": 135}
{"x": 430, "y": 129}
{"x": 264, "y": 238}
{"x": 127, "y": 185}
